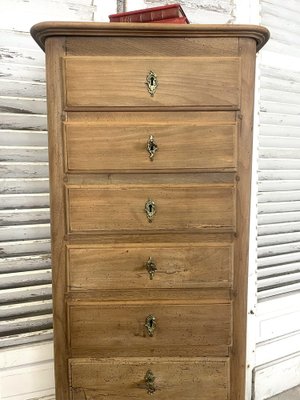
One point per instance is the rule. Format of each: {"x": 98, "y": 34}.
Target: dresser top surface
{"x": 44, "y": 30}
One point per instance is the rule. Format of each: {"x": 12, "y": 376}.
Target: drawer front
{"x": 181, "y": 81}
{"x": 130, "y": 267}
{"x": 98, "y": 330}
{"x": 188, "y": 379}
{"x": 151, "y": 208}
{"x": 92, "y": 147}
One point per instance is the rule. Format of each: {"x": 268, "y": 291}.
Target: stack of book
{"x": 169, "y": 14}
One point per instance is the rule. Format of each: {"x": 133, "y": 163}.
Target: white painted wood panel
{"x": 279, "y": 155}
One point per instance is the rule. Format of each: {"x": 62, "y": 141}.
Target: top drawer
{"x": 196, "y": 82}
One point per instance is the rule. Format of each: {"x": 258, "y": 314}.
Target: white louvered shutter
{"x": 25, "y": 263}
{"x": 279, "y": 151}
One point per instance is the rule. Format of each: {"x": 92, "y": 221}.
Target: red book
{"x": 179, "y": 20}
{"x": 170, "y": 11}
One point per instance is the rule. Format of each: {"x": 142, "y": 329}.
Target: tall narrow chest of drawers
{"x": 150, "y": 131}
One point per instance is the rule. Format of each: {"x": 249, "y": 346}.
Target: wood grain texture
{"x": 178, "y": 266}
{"x": 201, "y": 188}
{"x": 152, "y": 46}
{"x": 183, "y": 378}
{"x": 40, "y": 32}
{"x": 54, "y": 50}
{"x": 182, "y": 81}
{"x": 123, "y": 148}
{"x": 121, "y": 208}
{"x": 238, "y": 360}
{"x": 112, "y": 330}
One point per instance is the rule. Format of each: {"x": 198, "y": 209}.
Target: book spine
{"x": 148, "y": 16}
{"x": 179, "y": 20}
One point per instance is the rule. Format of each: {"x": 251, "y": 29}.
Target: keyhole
{"x": 151, "y": 323}
{"x": 152, "y": 80}
{"x": 150, "y": 208}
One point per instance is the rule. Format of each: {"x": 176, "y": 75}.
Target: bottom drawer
{"x": 119, "y": 379}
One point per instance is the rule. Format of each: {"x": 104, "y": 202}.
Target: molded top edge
{"x": 44, "y": 30}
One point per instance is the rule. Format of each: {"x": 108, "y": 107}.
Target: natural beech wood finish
{"x": 182, "y": 378}
{"x": 109, "y": 330}
{"x": 100, "y": 118}
{"x": 178, "y": 266}
{"x": 238, "y": 359}
{"x": 93, "y": 148}
{"x": 121, "y": 208}
{"x": 54, "y": 50}
{"x": 182, "y": 82}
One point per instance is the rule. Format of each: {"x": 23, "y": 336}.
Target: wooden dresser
{"x": 150, "y": 132}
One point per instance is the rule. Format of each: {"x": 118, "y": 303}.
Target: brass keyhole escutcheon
{"x": 149, "y": 380}
{"x": 151, "y": 147}
{"x": 152, "y": 83}
{"x": 150, "y": 324}
{"x": 150, "y": 209}
{"x": 151, "y": 267}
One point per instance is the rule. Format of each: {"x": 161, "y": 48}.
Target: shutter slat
{"x": 27, "y": 200}
{"x": 24, "y": 294}
{"x": 264, "y": 252}
{"x": 277, "y": 207}
{"x": 25, "y": 232}
{"x": 273, "y": 218}
{"x": 24, "y": 153}
{"x": 25, "y": 263}
{"x": 23, "y": 138}
{"x": 29, "y": 216}
{"x": 266, "y": 197}
{"x": 24, "y": 185}
{"x": 22, "y": 105}
{"x": 281, "y": 238}
{"x": 24, "y": 338}
{"x": 25, "y": 324}
{"x": 278, "y": 228}
{"x": 23, "y": 279}
{"x": 29, "y": 308}
{"x": 23, "y": 247}
{"x": 30, "y": 122}
{"x": 280, "y": 269}
{"x": 279, "y": 280}
{"x": 272, "y": 130}
{"x": 284, "y": 260}
{"x": 24, "y": 169}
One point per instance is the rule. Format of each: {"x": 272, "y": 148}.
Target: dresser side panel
{"x": 238, "y": 360}
{"x": 54, "y": 52}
